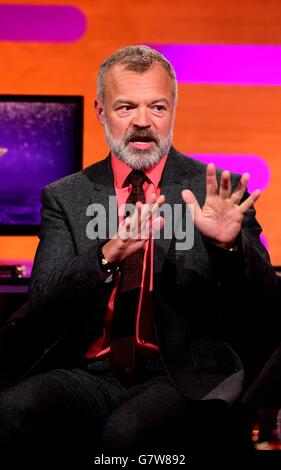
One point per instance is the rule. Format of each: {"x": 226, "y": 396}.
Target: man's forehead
{"x": 119, "y": 75}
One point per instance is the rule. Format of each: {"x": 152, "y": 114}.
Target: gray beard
{"x": 138, "y": 159}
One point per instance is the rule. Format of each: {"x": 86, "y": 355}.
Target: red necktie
{"x": 132, "y": 266}
{"x": 122, "y": 342}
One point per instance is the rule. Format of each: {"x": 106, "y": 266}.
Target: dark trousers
{"x": 75, "y": 415}
{"x": 76, "y": 412}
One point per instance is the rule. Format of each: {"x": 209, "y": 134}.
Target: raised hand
{"x": 221, "y": 216}
{"x": 134, "y": 231}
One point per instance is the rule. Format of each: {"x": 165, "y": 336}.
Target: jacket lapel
{"x": 102, "y": 198}
{"x": 174, "y": 180}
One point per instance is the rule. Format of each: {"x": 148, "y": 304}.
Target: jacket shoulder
{"x": 79, "y": 180}
{"x": 186, "y": 163}
{"x": 196, "y": 167}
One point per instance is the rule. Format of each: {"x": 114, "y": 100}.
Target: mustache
{"x": 141, "y": 134}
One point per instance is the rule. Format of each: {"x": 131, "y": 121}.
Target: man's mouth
{"x": 141, "y": 142}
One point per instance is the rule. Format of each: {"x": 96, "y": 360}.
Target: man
{"x": 129, "y": 330}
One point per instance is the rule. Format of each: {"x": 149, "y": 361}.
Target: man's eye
{"x": 158, "y": 107}
{"x": 126, "y": 107}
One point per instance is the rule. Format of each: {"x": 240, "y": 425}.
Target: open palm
{"x": 222, "y": 214}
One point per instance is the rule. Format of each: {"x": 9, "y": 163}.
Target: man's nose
{"x": 141, "y": 118}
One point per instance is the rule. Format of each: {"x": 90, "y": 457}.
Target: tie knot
{"x": 136, "y": 178}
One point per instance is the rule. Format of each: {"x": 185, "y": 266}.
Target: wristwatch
{"x": 105, "y": 265}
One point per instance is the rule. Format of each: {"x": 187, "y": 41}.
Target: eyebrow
{"x": 117, "y": 102}
{"x": 160, "y": 100}
{"x": 124, "y": 101}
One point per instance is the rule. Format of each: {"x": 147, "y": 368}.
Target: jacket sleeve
{"x": 60, "y": 275}
{"x": 249, "y": 293}
{"x": 249, "y": 262}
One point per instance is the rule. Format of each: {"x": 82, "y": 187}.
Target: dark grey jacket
{"x": 197, "y": 292}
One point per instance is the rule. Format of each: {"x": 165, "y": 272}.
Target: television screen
{"x": 40, "y": 142}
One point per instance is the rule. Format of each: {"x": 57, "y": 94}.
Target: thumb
{"x": 189, "y": 198}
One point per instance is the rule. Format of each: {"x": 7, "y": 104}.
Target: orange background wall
{"x": 210, "y": 119}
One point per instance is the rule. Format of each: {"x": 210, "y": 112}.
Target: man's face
{"x": 137, "y": 114}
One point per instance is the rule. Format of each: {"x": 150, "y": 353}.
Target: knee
{"x": 12, "y": 406}
{"x": 22, "y": 408}
{"x": 121, "y": 431}
{"x": 15, "y": 424}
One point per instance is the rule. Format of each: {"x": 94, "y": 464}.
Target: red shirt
{"x": 144, "y": 335}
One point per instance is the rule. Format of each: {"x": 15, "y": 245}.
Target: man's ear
{"x": 99, "y": 112}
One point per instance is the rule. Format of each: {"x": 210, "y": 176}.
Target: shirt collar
{"x": 121, "y": 171}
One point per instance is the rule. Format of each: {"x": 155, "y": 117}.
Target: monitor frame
{"x": 78, "y": 100}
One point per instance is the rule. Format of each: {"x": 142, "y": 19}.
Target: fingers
{"x": 189, "y": 198}
{"x": 135, "y": 223}
{"x": 225, "y": 190}
{"x": 240, "y": 189}
{"x": 142, "y": 222}
{"x": 211, "y": 180}
{"x": 124, "y": 229}
{"x": 239, "y": 192}
{"x": 156, "y": 225}
{"x": 225, "y": 185}
{"x": 149, "y": 215}
{"x": 250, "y": 201}
{"x": 157, "y": 200}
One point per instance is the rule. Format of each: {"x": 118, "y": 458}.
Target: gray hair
{"x": 137, "y": 59}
